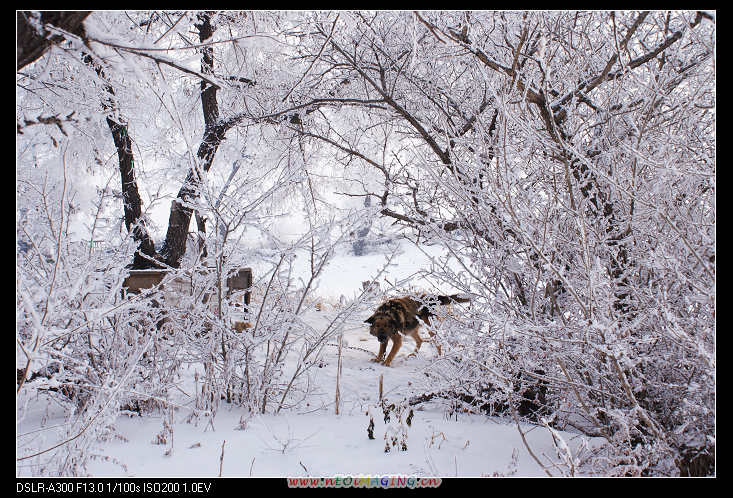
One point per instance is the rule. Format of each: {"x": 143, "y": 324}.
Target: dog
{"x": 398, "y": 316}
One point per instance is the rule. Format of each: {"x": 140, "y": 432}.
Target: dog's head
{"x": 380, "y": 326}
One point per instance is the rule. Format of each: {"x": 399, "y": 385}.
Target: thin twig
{"x": 221, "y": 457}
{"x": 333, "y": 27}
{"x": 169, "y": 29}
{"x": 526, "y": 444}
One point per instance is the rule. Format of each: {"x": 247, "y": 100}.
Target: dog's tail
{"x": 426, "y": 310}
{"x": 455, "y": 298}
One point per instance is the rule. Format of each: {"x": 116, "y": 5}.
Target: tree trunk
{"x": 145, "y": 256}
{"x": 131, "y": 198}
{"x": 181, "y": 210}
{"x": 31, "y": 45}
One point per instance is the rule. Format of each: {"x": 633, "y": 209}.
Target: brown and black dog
{"x": 399, "y": 316}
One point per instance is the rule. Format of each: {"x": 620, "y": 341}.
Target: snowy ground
{"x": 312, "y": 440}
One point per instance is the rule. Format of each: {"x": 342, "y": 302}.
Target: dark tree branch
{"x": 34, "y": 38}
{"x": 47, "y": 120}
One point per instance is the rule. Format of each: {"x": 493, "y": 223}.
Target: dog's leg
{"x": 415, "y": 334}
{"x": 382, "y": 350}
{"x": 396, "y": 345}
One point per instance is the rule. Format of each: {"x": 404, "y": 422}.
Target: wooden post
{"x": 242, "y": 280}
{"x": 338, "y": 372}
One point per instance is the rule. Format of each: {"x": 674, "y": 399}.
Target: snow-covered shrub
{"x": 574, "y": 192}
{"x": 397, "y": 417}
{"x": 80, "y": 345}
